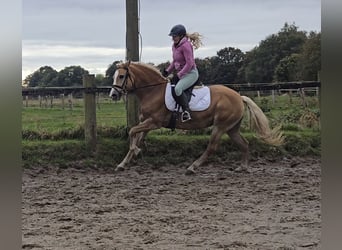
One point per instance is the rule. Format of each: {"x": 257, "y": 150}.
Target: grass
{"x": 55, "y": 119}
{"x": 55, "y": 136}
{"x": 159, "y": 149}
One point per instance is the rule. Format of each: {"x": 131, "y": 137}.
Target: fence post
{"x": 89, "y": 111}
{"x": 40, "y": 101}
{"x": 70, "y": 101}
{"x": 273, "y": 97}
{"x": 62, "y": 95}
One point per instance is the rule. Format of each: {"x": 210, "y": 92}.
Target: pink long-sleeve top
{"x": 183, "y": 58}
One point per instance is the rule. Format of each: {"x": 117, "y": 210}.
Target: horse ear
{"x": 126, "y": 65}
{"x": 119, "y": 64}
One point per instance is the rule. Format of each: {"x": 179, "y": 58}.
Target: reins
{"x": 124, "y": 84}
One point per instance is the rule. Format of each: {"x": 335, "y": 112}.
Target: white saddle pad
{"x": 199, "y": 101}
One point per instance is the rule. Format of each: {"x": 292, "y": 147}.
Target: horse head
{"x": 122, "y": 81}
{"x": 133, "y": 76}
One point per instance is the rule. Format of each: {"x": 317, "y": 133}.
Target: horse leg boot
{"x": 182, "y": 100}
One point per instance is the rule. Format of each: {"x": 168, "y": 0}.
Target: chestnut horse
{"x": 224, "y": 114}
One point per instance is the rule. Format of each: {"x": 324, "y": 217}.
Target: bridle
{"x": 123, "y": 87}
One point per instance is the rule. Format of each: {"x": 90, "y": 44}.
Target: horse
{"x": 224, "y": 114}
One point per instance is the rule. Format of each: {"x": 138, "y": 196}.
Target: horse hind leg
{"x": 214, "y": 140}
{"x": 242, "y": 143}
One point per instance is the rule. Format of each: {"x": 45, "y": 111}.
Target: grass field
{"x": 51, "y": 119}
{"x": 110, "y": 115}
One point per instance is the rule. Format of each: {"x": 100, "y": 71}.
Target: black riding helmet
{"x": 178, "y": 30}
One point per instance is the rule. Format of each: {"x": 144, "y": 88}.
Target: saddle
{"x": 188, "y": 93}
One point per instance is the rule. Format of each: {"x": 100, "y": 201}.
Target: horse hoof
{"x": 241, "y": 170}
{"x": 119, "y": 168}
{"x": 190, "y": 172}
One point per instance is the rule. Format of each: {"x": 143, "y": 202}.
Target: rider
{"x": 184, "y": 64}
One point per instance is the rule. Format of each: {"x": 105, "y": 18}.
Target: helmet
{"x": 178, "y": 30}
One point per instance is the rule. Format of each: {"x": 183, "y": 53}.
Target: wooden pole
{"x": 273, "y": 97}
{"x": 62, "y": 95}
{"x": 302, "y": 95}
{"x": 132, "y": 54}
{"x": 89, "y": 112}
{"x": 70, "y": 101}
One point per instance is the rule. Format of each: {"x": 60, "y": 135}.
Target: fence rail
{"x": 35, "y": 91}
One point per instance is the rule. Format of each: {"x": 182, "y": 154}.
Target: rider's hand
{"x": 175, "y": 79}
{"x": 165, "y": 73}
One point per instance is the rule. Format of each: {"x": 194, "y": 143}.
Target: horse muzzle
{"x": 115, "y": 93}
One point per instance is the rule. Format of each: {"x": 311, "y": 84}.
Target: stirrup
{"x": 185, "y": 116}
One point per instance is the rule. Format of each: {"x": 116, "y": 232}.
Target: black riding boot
{"x": 182, "y": 100}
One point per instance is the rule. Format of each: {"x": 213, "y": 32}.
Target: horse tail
{"x": 260, "y": 124}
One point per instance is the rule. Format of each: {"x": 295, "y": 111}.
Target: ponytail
{"x": 195, "y": 39}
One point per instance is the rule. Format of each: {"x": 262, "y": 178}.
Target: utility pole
{"x": 89, "y": 112}
{"x": 132, "y": 54}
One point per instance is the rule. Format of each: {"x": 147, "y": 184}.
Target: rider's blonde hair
{"x": 195, "y": 39}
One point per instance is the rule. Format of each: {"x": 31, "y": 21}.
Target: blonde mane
{"x": 149, "y": 66}
{"x": 145, "y": 65}
{"x": 140, "y": 66}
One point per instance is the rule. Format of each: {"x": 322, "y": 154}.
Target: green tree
{"x": 287, "y": 69}
{"x": 70, "y": 76}
{"x": 222, "y": 68}
{"x": 230, "y": 61}
{"x": 310, "y": 58}
{"x": 204, "y": 69}
{"x": 42, "y": 77}
{"x": 99, "y": 80}
{"x": 264, "y": 58}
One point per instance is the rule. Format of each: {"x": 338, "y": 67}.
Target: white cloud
{"x": 94, "y": 59}
{"x": 68, "y": 51}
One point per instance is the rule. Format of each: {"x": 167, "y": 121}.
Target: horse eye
{"x": 121, "y": 76}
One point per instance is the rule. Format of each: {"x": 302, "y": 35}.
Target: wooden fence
{"x": 36, "y": 91}
{"x": 89, "y": 91}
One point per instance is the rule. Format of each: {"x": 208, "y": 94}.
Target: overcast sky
{"x": 91, "y": 33}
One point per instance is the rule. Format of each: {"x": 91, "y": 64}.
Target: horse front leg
{"x": 133, "y": 151}
{"x": 136, "y": 135}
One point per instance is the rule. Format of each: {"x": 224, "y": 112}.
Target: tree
{"x": 265, "y": 58}
{"x": 222, "y": 68}
{"x": 310, "y": 58}
{"x": 70, "y": 76}
{"x": 42, "y": 77}
{"x": 99, "y": 80}
{"x": 46, "y": 76}
{"x": 253, "y": 69}
{"x": 287, "y": 69}
{"x": 230, "y": 61}
{"x": 204, "y": 69}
